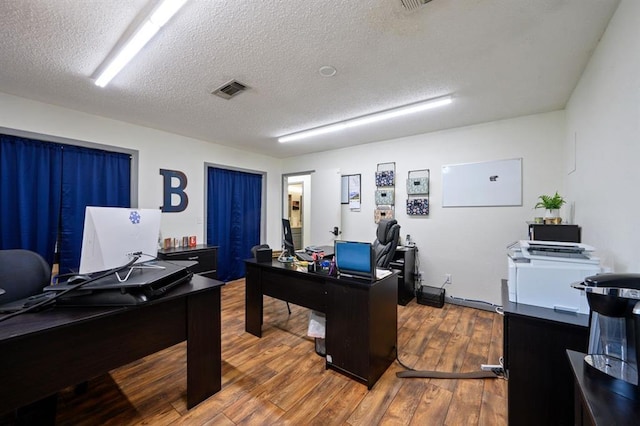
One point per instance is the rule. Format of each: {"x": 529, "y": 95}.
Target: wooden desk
{"x": 41, "y": 353}
{"x": 595, "y": 401}
{"x": 361, "y": 317}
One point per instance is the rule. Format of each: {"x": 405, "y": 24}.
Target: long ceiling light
{"x": 368, "y": 119}
{"x": 159, "y": 16}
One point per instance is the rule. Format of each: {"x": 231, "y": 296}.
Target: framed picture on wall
{"x": 344, "y": 194}
{"x": 351, "y": 191}
{"x": 354, "y": 192}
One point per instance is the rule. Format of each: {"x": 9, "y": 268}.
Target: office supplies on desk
{"x": 541, "y": 274}
{"x": 614, "y": 331}
{"x": 382, "y": 273}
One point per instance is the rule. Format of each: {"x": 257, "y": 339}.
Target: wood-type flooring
{"x": 280, "y": 380}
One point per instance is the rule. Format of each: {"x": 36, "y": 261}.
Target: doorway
{"x": 318, "y": 205}
{"x": 297, "y": 209}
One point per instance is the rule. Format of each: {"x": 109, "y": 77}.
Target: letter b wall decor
{"x": 170, "y": 176}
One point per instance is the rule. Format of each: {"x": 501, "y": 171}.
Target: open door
{"x": 326, "y": 212}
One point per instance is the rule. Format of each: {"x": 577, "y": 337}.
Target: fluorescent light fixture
{"x": 159, "y": 16}
{"x": 368, "y": 119}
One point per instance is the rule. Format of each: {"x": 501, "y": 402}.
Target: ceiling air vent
{"x": 230, "y": 89}
{"x": 413, "y": 4}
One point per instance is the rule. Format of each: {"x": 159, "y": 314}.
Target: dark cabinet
{"x": 404, "y": 261}
{"x": 206, "y": 256}
{"x": 361, "y": 328}
{"x": 598, "y": 401}
{"x": 565, "y": 233}
{"x": 540, "y": 390}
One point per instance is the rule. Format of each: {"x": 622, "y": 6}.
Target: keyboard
{"x": 304, "y": 256}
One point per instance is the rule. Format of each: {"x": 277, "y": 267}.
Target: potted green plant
{"x": 552, "y": 204}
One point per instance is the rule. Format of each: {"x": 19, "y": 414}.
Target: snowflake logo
{"x": 134, "y": 217}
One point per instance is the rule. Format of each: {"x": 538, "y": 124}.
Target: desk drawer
{"x": 207, "y": 260}
{"x": 306, "y": 292}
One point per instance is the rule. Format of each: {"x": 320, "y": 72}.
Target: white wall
{"x": 157, "y": 150}
{"x": 468, "y": 243}
{"x": 602, "y": 119}
{"x": 603, "y": 126}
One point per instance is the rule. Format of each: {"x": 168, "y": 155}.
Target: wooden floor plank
{"x": 341, "y": 405}
{"x": 405, "y": 403}
{"x": 279, "y": 379}
{"x": 433, "y": 406}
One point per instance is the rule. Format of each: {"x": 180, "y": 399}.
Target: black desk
{"x": 41, "y": 353}
{"x": 205, "y": 255}
{"x": 595, "y": 402}
{"x": 540, "y": 390}
{"x": 361, "y": 317}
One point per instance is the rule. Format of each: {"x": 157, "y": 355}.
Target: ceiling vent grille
{"x": 413, "y": 4}
{"x": 230, "y": 89}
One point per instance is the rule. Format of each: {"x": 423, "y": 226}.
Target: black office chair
{"x": 386, "y": 241}
{"x": 23, "y": 273}
{"x": 254, "y": 250}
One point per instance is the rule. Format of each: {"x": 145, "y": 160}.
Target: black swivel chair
{"x": 386, "y": 241}
{"x": 23, "y": 273}
{"x": 254, "y": 250}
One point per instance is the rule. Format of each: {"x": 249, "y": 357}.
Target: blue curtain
{"x": 29, "y": 195}
{"x": 90, "y": 177}
{"x": 233, "y": 218}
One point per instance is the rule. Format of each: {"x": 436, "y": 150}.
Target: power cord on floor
{"x": 495, "y": 372}
{"x": 403, "y": 365}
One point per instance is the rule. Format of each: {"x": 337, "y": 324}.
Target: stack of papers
{"x": 381, "y": 273}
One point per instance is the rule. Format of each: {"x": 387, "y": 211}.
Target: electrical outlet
{"x": 447, "y": 278}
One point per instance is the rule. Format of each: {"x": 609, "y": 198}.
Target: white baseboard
{"x": 477, "y": 304}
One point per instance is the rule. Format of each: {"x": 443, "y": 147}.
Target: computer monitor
{"x": 356, "y": 259}
{"x": 287, "y": 239}
{"x": 112, "y": 235}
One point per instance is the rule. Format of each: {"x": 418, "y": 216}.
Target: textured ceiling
{"x": 499, "y": 58}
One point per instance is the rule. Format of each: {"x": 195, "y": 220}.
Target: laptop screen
{"x": 355, "y": 259}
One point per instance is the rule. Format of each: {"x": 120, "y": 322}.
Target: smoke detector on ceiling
{"x": 413, "y": 4}
{"x": 230, "y": 89}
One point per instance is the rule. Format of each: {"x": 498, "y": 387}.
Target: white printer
{"x": 541, "y": 274}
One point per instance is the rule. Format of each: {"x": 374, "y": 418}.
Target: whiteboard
{"x": 491, "y": 183}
